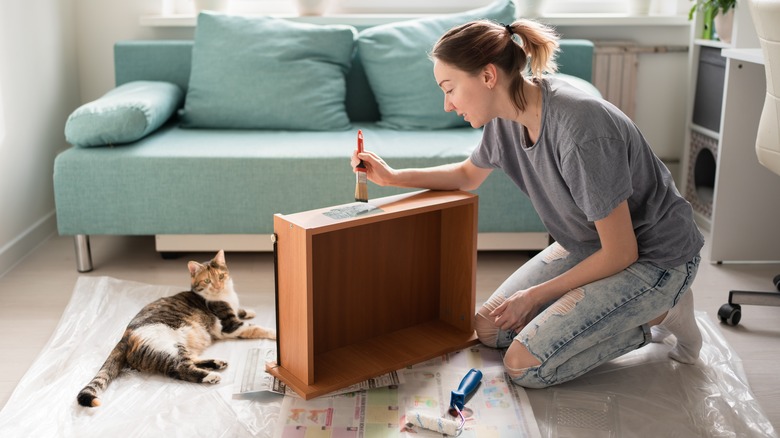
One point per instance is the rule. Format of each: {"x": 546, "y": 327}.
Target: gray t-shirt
{"x": 588, "y": 159}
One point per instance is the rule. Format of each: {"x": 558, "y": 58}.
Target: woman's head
{"x": 513, "y": 49}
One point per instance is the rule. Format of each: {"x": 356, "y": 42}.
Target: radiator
{"x": 615, "y": 68}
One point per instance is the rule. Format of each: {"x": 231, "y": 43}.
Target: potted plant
{"x": 719, "y": 12}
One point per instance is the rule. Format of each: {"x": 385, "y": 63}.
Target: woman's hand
{"x": 377, "y": 171}
{"x": 517, "y": 311}
{"x": 453, "y": 176}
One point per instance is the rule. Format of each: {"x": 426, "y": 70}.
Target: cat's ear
{"x": 220, "y": 257}
{"x": 194, "y": 267}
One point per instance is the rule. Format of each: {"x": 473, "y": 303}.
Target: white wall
{"x": 38, "y": 89}
{"x": 101, "y": 24}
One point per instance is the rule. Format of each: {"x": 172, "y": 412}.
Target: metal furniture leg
{"x": 83, "y": 253}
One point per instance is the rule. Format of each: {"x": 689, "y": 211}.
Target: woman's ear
{"x": 489, "y": 75}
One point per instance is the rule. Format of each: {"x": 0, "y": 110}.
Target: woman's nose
{"x": 448, "y": 106}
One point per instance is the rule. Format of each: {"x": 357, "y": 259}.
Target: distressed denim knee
{"x": 487, "y": 331}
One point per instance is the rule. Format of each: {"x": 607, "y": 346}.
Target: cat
{"x": 169, "y": 334}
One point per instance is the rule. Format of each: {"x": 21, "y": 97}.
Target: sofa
{"x": 200, "y": 187}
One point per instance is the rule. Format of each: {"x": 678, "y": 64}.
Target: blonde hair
{"x": 524, "y": 45}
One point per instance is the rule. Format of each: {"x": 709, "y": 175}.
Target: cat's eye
{"x": 207, "y": 281}
{"x": 221, "y": 276}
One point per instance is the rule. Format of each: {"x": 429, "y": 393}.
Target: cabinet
{"x": 363, "y": 293}
{"x": 733, "y": 196}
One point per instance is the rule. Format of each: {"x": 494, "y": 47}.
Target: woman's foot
{"x": 681, "y": 322}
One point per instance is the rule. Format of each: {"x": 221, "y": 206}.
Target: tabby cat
{"x": 168, "y": 334}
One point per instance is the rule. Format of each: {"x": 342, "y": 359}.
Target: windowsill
{"x": 189, "y": 20}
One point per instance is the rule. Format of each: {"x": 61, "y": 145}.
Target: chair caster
{"x": 730, "y": 314}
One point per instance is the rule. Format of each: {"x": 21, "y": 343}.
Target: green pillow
{"x": 268, "y": 73}
{"x": 400, "y": 72}
{"x": 123, "y": 115}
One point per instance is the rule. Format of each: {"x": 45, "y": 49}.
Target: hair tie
{"x": 508, "y": 28}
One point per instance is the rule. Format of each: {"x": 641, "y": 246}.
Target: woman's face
{"x": 468, "y": 95}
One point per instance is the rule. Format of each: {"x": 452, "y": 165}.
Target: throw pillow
{"x": 397, "y": 64}
{"x": 268, "y": 73}
{"x": 123, "y": 115}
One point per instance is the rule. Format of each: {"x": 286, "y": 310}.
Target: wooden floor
{"x": 34, "y": 294}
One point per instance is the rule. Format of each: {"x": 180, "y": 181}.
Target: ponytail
{"x": 540, "y": 43}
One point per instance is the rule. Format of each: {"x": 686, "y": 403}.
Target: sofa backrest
{"x": 170, "y": 60}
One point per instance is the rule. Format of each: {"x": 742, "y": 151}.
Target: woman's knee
{"x": 518, "y": 359}
{"x": 522, "y": 367}
{"x": 484, "y": 324}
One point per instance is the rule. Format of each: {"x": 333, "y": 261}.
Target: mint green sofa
{"x": 178, "y": 181}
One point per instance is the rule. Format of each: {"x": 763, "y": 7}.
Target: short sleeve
{"x": 598, "y": 175}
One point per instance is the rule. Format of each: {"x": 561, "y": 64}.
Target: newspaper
{"x": 252, "y": 377}
{"x": 497, "y": 408}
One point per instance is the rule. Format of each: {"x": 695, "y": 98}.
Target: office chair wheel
{"x": 730, "y": 314}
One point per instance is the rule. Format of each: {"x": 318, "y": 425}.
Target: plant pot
{"x": 211, "y": 5}
{"x": 724, "y": 24}
{"x": 530, "y": 8}
{"x": 639, "y": 7}
{"x": 311, "y": 7}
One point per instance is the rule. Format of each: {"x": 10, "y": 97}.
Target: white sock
{"x": 659, "y": 333}
{"x": 681, "y": 322}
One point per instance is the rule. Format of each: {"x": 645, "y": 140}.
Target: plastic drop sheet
{"x": 641, "y": 394}
{"x": 646, "y": 394}
{"x": 135, "y": 404}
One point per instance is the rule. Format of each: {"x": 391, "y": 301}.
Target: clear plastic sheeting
{"x": 135, "y": 404}
{"x": 646, "y": 394}
{"x": 641, "y": 394}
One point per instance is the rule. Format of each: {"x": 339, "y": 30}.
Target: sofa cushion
{"x": 124, "y": 114}
{"x": 400, "y": 72}
{"x": 247, "y": 176}
{"x": 268, "y": 73}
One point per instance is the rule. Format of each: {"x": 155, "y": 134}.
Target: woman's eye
{"x": 221, "y": 276}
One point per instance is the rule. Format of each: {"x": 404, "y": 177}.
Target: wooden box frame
{"x": 366, "y": 295}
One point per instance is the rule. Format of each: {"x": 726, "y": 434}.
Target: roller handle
{"x": 467, "y": 386}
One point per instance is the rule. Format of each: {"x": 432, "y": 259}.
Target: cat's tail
{"x": 116, "y": 361}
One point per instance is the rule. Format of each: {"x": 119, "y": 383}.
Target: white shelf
{"x": 711, "y": 43}
{"x": 755, "y": 56}
{"x": 189, "y": 20}
{"x": 704, "y": 131}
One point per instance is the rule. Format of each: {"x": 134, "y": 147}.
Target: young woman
{"x": 627, "y": 248}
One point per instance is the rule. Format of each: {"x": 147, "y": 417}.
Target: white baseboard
{"x": 262, "y": 242}
{"x": 18, "y": 248}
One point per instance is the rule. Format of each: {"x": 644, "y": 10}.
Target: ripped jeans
{"x": 589, "y": 325}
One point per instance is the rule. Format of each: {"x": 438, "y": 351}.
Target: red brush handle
{"x": 361, "y": 167}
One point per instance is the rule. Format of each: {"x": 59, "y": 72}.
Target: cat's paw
{"x": 256, "y": 332}
{"x": 212, "y": 378}
{"x": 246, "y": 313}
{"x": 211, "y": 364}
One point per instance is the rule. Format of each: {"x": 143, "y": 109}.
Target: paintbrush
{"x": 361, "y": 180}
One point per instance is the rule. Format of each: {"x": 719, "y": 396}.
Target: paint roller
{"x": 449, "y": 426}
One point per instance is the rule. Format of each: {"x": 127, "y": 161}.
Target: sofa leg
{"x": 83, "y": 253}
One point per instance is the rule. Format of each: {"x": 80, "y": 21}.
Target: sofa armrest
{"x": 576, "y": 58}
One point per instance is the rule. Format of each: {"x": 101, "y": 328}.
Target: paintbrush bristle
{"x": 361, "y": 186}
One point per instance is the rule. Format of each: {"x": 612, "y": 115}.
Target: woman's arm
{"x": 456, "y": 176}
{"x": 619, "y": 249}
